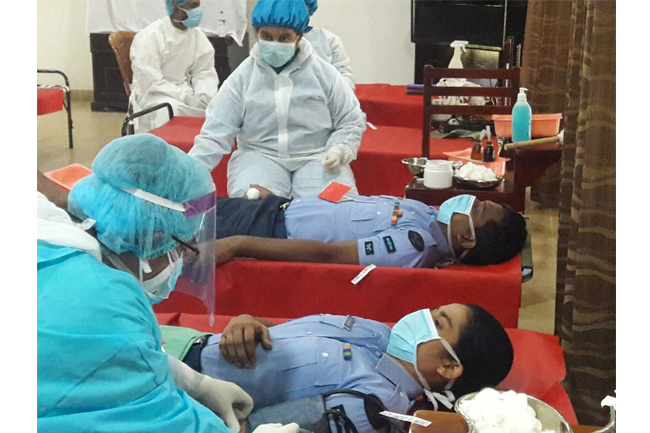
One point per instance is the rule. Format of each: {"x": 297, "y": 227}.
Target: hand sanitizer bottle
{"x": 521, "y": 118}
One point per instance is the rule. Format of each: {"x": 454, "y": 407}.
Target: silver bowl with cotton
{"x": 550, "y": 418}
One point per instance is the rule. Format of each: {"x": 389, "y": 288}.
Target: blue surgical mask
{"x": 160, "y": 287}
{"x": 405, "y": 337}
{"x": 459, "y": 204}
{"x": 193, "y": 17}
{"x": 277, "y": 54}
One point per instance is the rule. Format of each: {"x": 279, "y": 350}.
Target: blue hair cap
{"x": 292, "y": 14}
{"x": 125, "y": 222}
{"x": 171, "y": 4}
{"x": 312, "y": 5}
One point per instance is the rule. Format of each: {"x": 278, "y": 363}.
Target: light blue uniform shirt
{"x": 100, "y": 364}
{"x": 415, "y": 241}
{"x": 307, "y": 360}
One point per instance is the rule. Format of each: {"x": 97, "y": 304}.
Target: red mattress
{"x": 259, "y": 287}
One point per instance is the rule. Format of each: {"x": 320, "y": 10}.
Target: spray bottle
{"x": 522, "y": 118}
{"x": 455, "y": 62}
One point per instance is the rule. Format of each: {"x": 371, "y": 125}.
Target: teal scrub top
{"x": 100, "y": 364}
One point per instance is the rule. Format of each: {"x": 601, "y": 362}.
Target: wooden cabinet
{"x": 108, "y": 88}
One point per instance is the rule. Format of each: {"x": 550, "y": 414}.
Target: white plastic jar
{"x": 438, "y": 174}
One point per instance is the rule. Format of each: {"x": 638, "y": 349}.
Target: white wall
{"x": 375, "y": 33}
{"x": 62, "y": 42}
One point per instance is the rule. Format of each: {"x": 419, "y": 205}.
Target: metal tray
{"x": 477, "y": 184}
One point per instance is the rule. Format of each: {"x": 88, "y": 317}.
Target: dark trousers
{"x": 262, "y": 218}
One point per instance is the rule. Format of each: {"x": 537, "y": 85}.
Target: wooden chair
{"x": 50, "y": 99}
{"x": 503, "y": 96}
{"x": 121, "y": 42}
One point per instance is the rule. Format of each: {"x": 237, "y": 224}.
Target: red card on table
{"x": 334, "y": 192}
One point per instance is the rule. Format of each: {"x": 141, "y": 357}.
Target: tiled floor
{"x": 94, "y": 129}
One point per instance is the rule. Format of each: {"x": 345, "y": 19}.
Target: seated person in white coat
{"x": 172, "y": 61}
{"x": 329, "y": 46}
{"x": 296, "y": 122}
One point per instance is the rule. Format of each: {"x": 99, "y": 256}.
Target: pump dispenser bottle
{"x": 521, "y": 118}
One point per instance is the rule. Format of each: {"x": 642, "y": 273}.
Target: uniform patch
{"x": 369, "y": 248}
{"x": 416, "y": 240}
{"x": 390, "y": 245}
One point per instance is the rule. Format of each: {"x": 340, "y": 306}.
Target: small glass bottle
{"x": 488, "y": 152}
{"x": 477, "y": 151}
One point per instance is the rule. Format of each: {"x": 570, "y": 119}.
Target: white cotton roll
{"x": 253, "y": 194}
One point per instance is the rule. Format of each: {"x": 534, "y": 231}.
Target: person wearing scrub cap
{"x": 329, "y": 46}
{"x": 428, "y": 359}
{"x": 296, "y": 123}
{"x": 147, "y": 226}
{"x": 172, "y": 61}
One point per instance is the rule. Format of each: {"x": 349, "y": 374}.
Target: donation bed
{"x": 288, "y": 290}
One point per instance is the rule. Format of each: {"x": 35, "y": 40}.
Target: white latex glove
{"x": 227, "y": 400}
{"x": 205, "y": 99}
{"x": 277, "y": 428}
{"x": 194, "y": 100}
{"x": 332, "y": 159}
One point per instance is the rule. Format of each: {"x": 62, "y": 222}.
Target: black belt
{"x": 193, "y": 356}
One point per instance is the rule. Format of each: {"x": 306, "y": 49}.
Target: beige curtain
{"x": 569, "y": 63}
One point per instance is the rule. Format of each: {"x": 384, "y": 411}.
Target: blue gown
{"x": 100, "y": 364}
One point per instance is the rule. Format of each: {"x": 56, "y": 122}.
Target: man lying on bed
{"x": 436, "y": 355}
{"x": 365, "y": 231}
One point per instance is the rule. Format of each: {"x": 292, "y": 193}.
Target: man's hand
{"x": 239, "y": 340}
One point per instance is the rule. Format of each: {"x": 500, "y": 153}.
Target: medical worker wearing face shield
{"x": 329, "y": 46}
{"x": 296, "y": 122}
{"x": 172, "y": 61}
{"x": 100, "y": 363}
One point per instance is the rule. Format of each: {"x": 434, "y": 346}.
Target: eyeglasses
{"x": 186, "y": 245}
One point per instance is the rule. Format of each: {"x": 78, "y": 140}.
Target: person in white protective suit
{"x": 296, "y": 122}
{"x": 172, "y": 61}
{"x": 101, "y": 366}
{"x": 329, "y": 46}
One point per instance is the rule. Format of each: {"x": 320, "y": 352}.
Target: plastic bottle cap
{"x": 522, "y": 94}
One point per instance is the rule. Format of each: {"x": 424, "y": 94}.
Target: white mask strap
{"x": 144, "y": 267}
{"x": 471, "y": 229}
{"x": 155, "y": 199}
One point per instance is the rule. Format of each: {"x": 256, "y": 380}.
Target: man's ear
{"x": 450, "y": 369}
{"x": 466, "y": 241}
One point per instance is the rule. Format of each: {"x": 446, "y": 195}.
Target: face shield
{"x": 191, "y": 263}
{"x": 197, "y": 275}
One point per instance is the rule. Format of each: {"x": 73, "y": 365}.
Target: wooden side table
{"x": 529, "y": 166}
{"x": 503, "y": 194}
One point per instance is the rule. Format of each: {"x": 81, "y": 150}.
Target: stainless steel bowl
{"x": 546, "y": 414}
{"x": 415, "y": 165}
